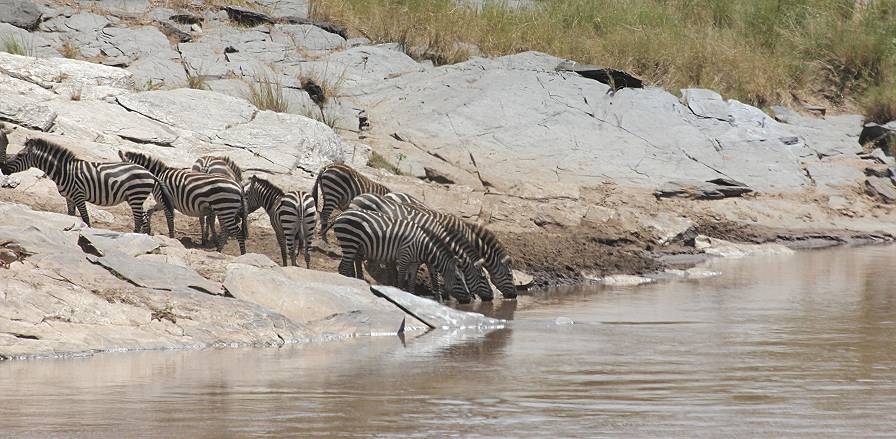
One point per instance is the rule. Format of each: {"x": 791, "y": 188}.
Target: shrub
{"x": 879, "y": 103}
{"x": 267, "y": 94}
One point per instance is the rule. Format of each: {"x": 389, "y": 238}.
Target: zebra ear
{"x": 505, "y": 260}
{"x": 122, "y": 156}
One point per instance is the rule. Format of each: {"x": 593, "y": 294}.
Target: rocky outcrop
{"x": 68, "y": 289}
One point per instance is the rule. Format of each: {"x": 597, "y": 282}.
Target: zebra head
{"x": 153, "y": 165}
{"x": 455, "y": 283}
{"x": 21, "y": 161}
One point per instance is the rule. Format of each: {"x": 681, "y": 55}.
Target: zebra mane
{"x": 267, "y": 186}
{"x": 61, "y": 153}
{"x": 147, "y": 161}
{"x": 488, "y": 237}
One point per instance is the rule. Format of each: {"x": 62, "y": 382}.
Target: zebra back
{"x": 403, "y": 198}
{"x": 376, "y": 236}
{"x": 219, "y": 165}
{"x": 336, "y": 185}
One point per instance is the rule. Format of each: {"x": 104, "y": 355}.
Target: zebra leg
{"x": 281, "y": 240}
{"x": 162, "y": 202}
{"x": 203, "y": 229}
{"x": 307, "y": 251}
{"x": 70, "y": 205}
{"x": 139, "y": 215}
{"x": 82, "y": 208}
{"x": 230, "y": 226}
{"x": 359, "y": 269}
{"x": 347, "y": 267}
{"x": 324, "y": 217}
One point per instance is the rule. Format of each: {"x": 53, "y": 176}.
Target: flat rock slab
{"x": 133, "y": 43}
{"x": 25, "y": 103}
{"x": 727, "y": 249}
{"x": 434, "y": 314}
{"x": 203, "y": 112}
{"x": 155, "y": 275}
{"x": 321, "y": 300}
{"x": 306, "y": 37}
{"x": 111, "y": 119}
{"x": 46, "y": 72}
{"x": 131, "y": 244}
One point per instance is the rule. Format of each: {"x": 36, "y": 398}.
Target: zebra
{"x": 470, "y": 263}
{"x": 372, "y": 236}
{"x": 215, "y": 165}
{"x": 498, "y": 262}
{"x": 196, "y": 194}
{"x": 81, "y": 182}
{"x": 292, "y": 216}
{"x": 338, "y": 184}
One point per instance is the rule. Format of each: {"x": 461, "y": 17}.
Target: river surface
{"x": 784, "y": 346}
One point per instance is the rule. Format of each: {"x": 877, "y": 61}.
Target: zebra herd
{"x": 386, "y": 229}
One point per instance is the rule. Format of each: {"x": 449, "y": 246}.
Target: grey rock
{"x": 700, "y": 190}
{"x": 434, "y": 314}
{"x": 126, "y": 8}
{"x": 833, "y": 176}
{"x": 158, "y": 70}
{"x": 86, "y": 23}
{"x": 203, "y": 59}
{"x": 297, "y": 100}
{"x": 829, "y": 136}
{"x": 307, "y": 37}
{"x": 286, "y": 8}
{"x": 130, "y": 244}
{"x": 882, "y": 188}
{"x": 20, "y": 13}
{"x": 155, "y": 275}
{"x": 133, "y": 43}
{"x": 879, "y": 136}
{"x": 357, "y": 41}
{"x": 25, "y": 103}
{"x": 45, "y": 72}
{"x": 286, "y": 142}
{"x": 112, "y": 120}
{"x": 316, "y": 299}
{"x": 493, "y": 121}
{"x": 203, "y": 112}
{"x": 614, "y": 78}
{"x": 358, "y": 70}
{"x": 172, "y": 31}
{"x": 34, "y": 43}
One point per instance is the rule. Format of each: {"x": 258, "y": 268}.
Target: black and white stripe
{"x": 80, "y": 182}
{"x": 292, "y": 215}
{"x": 372, "y": 236}
{"x": 196, "y": 194}
{"x": 338, "y": 184}
{"x": 469, "y": 261}
{"x": 221, "y": 166}
{"x": 498, "y": 262}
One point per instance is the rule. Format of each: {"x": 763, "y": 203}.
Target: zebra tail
{"x": 244, "y": 214}
{"x": 165, "y": 197}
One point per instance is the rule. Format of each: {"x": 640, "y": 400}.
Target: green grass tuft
{"x": 16, "y": 45}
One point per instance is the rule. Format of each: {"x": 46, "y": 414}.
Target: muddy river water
{"x": 784, "y": 346}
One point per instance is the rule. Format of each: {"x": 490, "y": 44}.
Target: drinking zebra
{"x": 196, "y": 194}
{"x": 81, "y": 182}
{"x": 365, "y": 235}
{"x": 338, "y": 184}
{"x": 497, "y": 262}
{"x": 470, "y": 263}
{"x": 215, "y": 165}
{"x": 292, "y": 216}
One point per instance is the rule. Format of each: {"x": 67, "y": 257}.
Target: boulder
{"x": 829, "y": 136}
{"x": 700, "y": 190}
{"x": 25, "y": 103}
{"x": 306, "y": 37}
{"x": 511, "y": 120}
{"x": 20, "y": 13}
{"x": 203, "y": 112}
{"x": 434, "y": 314}
{"x": 357, "y": 70}
{"x": 879, "y": 136}
{"x": 247, "y": 17}
{"x": 287, "y": 142}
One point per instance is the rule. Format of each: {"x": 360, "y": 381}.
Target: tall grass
{"x": 758, "y": 51}
{"x": 16, "y": 45}
{"x": 267, "y": 94}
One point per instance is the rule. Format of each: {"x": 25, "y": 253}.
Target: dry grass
{"x": 379, "y": 162}
{"x": 879, "y": 103}
{"x": 759, "y": 51}
{"x": 321, "y": 115}
{"x": 16, "y": 45}
{"x": 197, "y": 82}
{"x": 75, "y": 92}
{"x": 70, "y": 50}
{"x": 267, "y": 94}
{"x": 330, "y": 85}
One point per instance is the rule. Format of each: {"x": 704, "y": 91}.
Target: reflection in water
{"x": 799, "y": 346}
